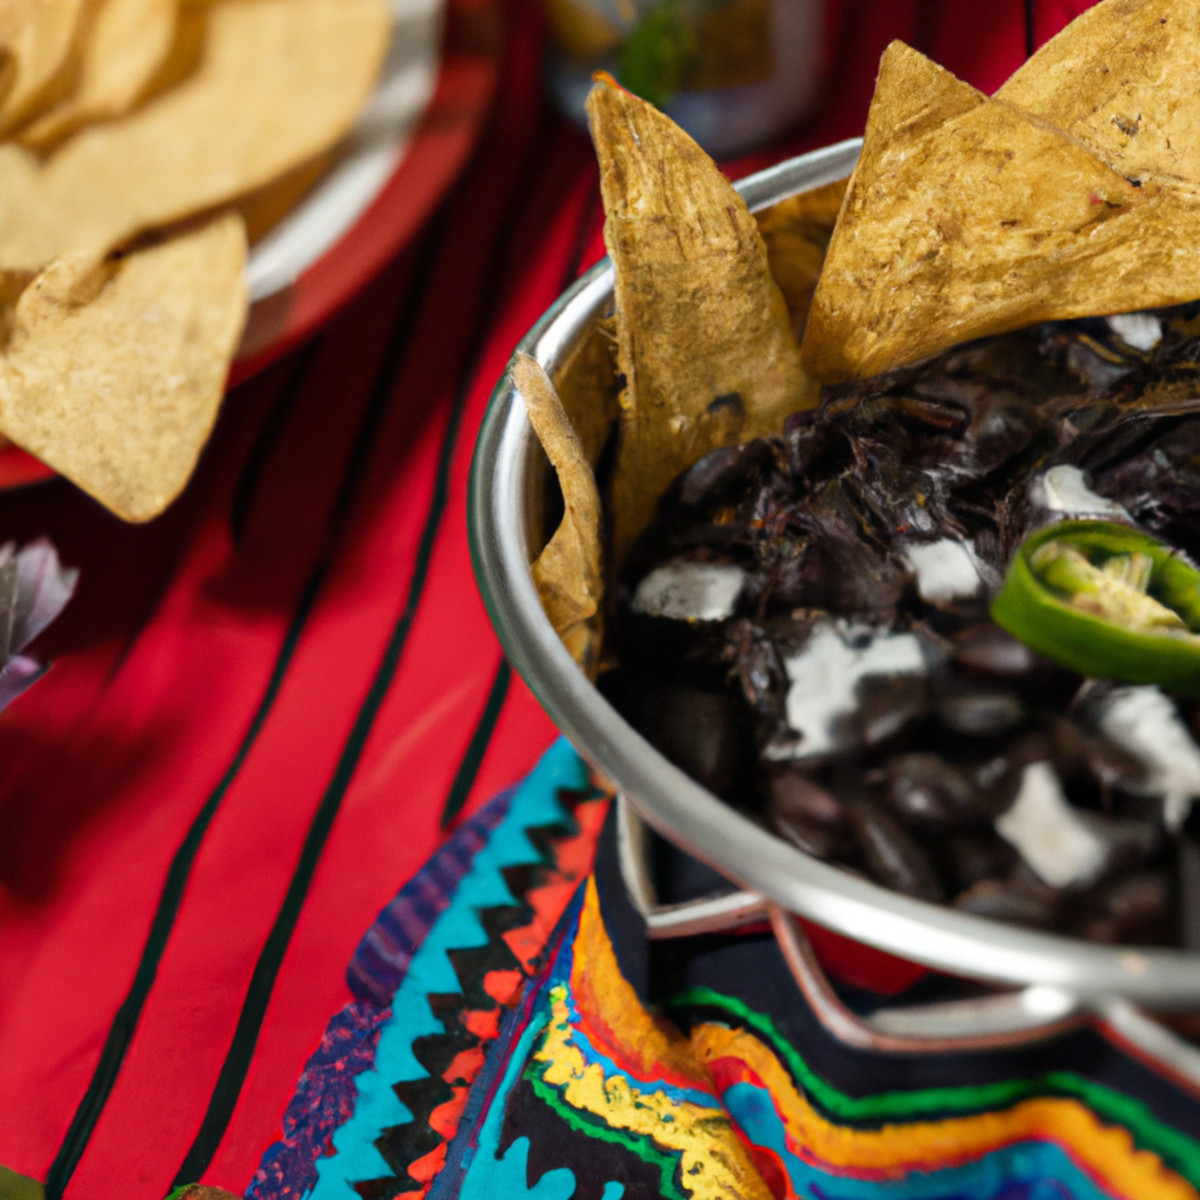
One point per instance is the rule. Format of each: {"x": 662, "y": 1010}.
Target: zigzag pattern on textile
{"x": 381, "y": 960}
{"x": 452, "y": 1058}
{"x": 490, "y": 978}
{"x": 449, "y": 1006}
{"x": 325, "y": 1092}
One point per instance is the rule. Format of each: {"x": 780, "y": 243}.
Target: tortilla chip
{"x": 1124, "y": 78}
{"x": 567, "y": 572}
{"x": 264, "y": 208}
{"x": 967, "y": 216}
{"x": 35, "y": 39}
{"x": 704, "y": 339}
{"x": 126, "y": 43}
{"x": 113, "y": 372}
{"x": 279, "y": 82}
{"x": 796, "y": 232}
{"x": 587, "y": 384}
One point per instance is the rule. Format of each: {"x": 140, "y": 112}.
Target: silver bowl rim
{"x": 679, "y": 808}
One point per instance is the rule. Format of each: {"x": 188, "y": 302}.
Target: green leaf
{"x": 658, "y": 52}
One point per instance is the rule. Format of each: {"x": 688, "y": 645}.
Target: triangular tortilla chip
{"x": 704, "y": 339}
{"x": 124, "y": 43}
{"x": 968, "y": 216}
{"x": 113, "y": 373}
{"x": 279, "y": 81}
{"x": 586, "y": 382}
{"x": 1124, "y": 77}
{"x": 567, "y": 571}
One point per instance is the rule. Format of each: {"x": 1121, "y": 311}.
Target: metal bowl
{"x": 507, "y": 495}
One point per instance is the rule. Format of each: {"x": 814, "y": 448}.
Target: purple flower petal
{"x": 44, "y": 586}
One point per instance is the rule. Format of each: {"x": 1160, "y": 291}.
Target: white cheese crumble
{"x": 1142, "y": 331}
{"x": 690, "y": 591}
{"x": 1046, "y": 831}
{"x": 824, "y": 675}
{"x": 945, "y": 570}
{"x": 1144, "y": 723}
{"x": 1061, "y": 489}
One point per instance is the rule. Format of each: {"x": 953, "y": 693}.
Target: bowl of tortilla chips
{"x": 723, "y": 309}
{"x": 169, "y": 169}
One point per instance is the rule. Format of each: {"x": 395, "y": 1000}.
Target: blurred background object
{"x": 733, "y": 73}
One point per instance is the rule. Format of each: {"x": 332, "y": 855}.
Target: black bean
{"x": 928, "y": 415}
{"x": 979, "y": 710}
{"x": 722, "y": 471}
{"x": 889, "y": 703}
{"x": 818, "y": 840}
{"x": 1132, "y": 908}
{"x": 998, "y": 780}
{"x": 988, "y": 648}
{"x": 892, "y": 856}
{"x": 1079, "y": 752}
{"x": 1127, "y": 843}
{"x": 1017, "y": 898}
{"x": 969, "y": 858}
{"x": 929, "y": 793}
{"x": 793, "y": 796}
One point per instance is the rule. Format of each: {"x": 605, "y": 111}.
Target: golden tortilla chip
{"x": 35, "y": 39}
{"x": 125, "y": 44}
{"x": 967, "y": 216}
{"x": 279, "y": 82}
{"x": 264, "y": 208}
{"x": 587, "y": 384}
{"x": 567, "y": 572}
{"x": 796, "y": 232}
{"x": 704, "y": 339}
{"x": 1124, "y": 78}
{"x": 113, "y": 373}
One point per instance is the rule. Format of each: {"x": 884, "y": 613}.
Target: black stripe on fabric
{"x": 1030, "y": 38}
{"x": 247, "y": 484}
{"x": 254, "y": 1007}
{"x": 283, "y": 403}
{"x": 926, "y": 27}
{"x": 125, "y": 1022}
{"x": 121, "y": 1032}
{"x": 481, "y": 738}
{"x": 472, "y": 759}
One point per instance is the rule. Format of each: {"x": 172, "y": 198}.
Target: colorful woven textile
{"x": 386, "y": 1089}
{"x": 516, "y": 1059}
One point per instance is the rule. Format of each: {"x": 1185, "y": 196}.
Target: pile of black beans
{"x": 909, "y": 780}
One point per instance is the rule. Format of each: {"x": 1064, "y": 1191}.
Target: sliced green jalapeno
{"x": 1106, "y": 600}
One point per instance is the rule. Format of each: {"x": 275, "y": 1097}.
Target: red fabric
{"x": 165, "y": 653}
